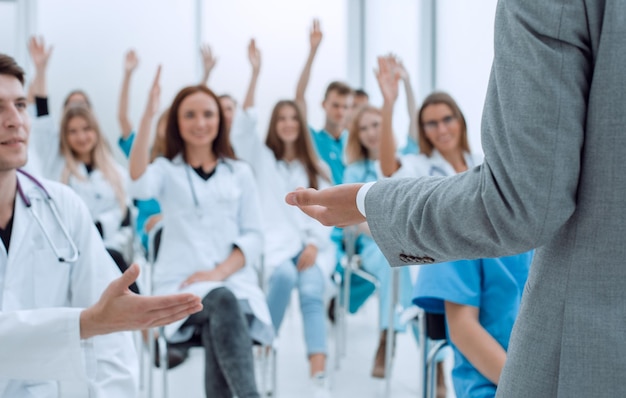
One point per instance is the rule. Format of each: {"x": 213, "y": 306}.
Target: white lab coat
{"x": 287, "y": 229}
{"x": 199, "y": 236}
{"x": 98, "y": 194}
{"x": 413, "y": 166}
{"x": 32, "y": 278}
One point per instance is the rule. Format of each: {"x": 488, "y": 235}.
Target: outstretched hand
{"x": 120, "y": 309}
{"x": 388, "y": 78}
{"x": 315, "y": 36}
{"x": 39, "y": 53}
{"x": 335, "y": 206}
{"x": 254, "y": 56}
{"x": 130, "y": 61}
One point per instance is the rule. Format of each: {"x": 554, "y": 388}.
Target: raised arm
{"x": 315, "y": 38}
{"x": 130, "y": 64}
{"x": 388, "y": 79}
{"x": 139, "y": 155}
{"x": 40, "y": 56}
{"x": 208, "y": 63}
{"x": 254, "y": 56}
{"x": 410, "y": 98}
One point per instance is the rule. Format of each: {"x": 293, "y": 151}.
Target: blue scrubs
{"x": 494, "y": 286}
{"x": 410, "y": 147}
{"x": 146, "y": 208}
{"x": 330, "y": 150}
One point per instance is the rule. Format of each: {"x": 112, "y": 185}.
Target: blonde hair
{"x": 100, "y": 154}
{"x": 355, "y": 150}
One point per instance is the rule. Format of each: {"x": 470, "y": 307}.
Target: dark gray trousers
{"x": 229, "y": 366}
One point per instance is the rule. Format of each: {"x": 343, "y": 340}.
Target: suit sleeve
{"x": 532, "y": 134}
{"x": 53, "y": 338}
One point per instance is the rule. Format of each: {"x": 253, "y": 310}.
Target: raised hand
{"x": 39, "y": 53}
{"x": 400, "y": 69}
{"x": 315, "y": 36}
{"x": 130, "y": 61}
{"x": 254, "y": 56}
{"x": 208, "y": 61}
{"x": 388, "y": 78}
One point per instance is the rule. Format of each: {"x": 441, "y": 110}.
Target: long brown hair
{"x": 304, "y": 148}
{"x": 174, "y": 143}
{"x": 355, "y": 150}
{"x": 100, "y": 154}
{"x": 426, "y": 147}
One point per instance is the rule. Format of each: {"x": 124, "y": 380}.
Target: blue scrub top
{"x": 495, "y": 286}
{"x": 363, "y": 170}
{"x": 145, "y": 208}
{"x": 330, "y": 150}
{"x": 410, "y": 147}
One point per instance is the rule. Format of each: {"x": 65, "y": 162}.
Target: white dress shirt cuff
{"x": 360, "y": 197}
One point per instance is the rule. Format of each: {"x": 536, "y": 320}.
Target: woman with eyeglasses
{"x": 479, "y": 298}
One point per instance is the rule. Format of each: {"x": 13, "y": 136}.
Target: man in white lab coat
{"x": 46, "y": 333}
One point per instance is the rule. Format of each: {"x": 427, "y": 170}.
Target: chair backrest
{"x": 154, "y": 242}
{"x": 436, "y": 326}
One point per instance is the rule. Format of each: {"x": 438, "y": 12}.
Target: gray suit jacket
{"x": 554, "y": 177}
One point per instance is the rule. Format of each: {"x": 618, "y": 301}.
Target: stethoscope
{"x": 194, "y": 196}
{"x": 53, "y": 208}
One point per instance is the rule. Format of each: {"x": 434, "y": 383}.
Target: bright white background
{"x": 91, "y": 36}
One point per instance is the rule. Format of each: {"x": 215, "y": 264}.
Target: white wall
{"x": 91, "y": 37}
{"x": 391, "y": 26}
{"x": 281, "y": 30}
{"x": 464, "y": 56}
{"x": 8, "y": 27}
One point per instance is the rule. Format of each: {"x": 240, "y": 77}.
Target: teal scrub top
{"x": 495, "y": 286}
{"x": 330, "y": 150}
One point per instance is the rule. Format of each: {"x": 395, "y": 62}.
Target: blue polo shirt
{"x": 330, "y": 150}
{"x": 495, "y": 286}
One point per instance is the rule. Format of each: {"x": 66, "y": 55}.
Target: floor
{"x": 352, "y": 379}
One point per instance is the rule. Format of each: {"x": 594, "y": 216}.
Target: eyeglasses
{"x": 433, "y": 125}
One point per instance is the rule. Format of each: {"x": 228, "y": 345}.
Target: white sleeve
{"x": 110, "y": 360}
{"x": 250, "y": 240}
{"x": 151, "y": 183}
{"x": 52, "y": 336}
{"x": 44, "y": 146}
{"x": 247, "y": 143}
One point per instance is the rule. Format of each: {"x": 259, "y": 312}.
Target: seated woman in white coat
{"x": 298, "y": 250}
{"x": 211, "y": 237}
